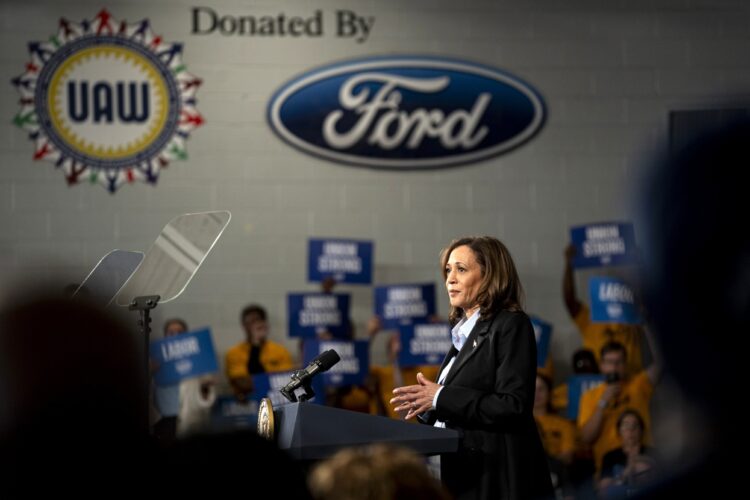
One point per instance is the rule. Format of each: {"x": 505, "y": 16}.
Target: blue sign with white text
{"x": 424, "y": 344}
{"x": 577, "y": 385}
{"x": 183, "y": 356}
{"x": 346, "y": 261}
{"x": 406, "y": 112}
{"x": 543, "y": 334}
{"x": 604, "y": 244}
{"x": 612, "y": 301}
{"x": 399, "y": 305}
{"x": 228, "y": 414}
{"x": 353, "y": 367}
{"x": 314, "y": 313}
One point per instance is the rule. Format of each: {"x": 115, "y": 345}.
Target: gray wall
{"x": 609, "y": 72}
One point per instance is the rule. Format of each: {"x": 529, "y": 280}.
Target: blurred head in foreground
{"x": 697, "y": 280}
{"x": 377, "y": 472}
{"x": 71, "y": 378}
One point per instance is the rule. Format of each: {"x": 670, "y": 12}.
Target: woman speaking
{"x": 485, "y": 387}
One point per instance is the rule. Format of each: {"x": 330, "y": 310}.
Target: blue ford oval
{"x": 406, "y": 112}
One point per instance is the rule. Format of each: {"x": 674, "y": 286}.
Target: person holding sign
{"x": 486, "y": 384}
{"x": 184, "y": 407}
{"x": 256, "y": 354}
{"x": 601, "y": 407}
{"x": 595, "y": 335}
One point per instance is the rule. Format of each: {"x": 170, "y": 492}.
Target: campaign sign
{"x": 183, "y": 356}
{"x": 346, "y": 261}
{"x": 399, "y": 305}
{"x": 228, "y": 414}
{"x": 543, "y": 334}
{"x": 612, "y": 301}
{"x": 424, "y": 344}
{"x": 577, "y": 385}
{"x": 313, "y": 313}
{"x": 604, "y": 244}
{"x": 353, "y": 367}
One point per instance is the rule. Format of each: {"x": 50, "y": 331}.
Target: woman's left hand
{"x": 415, "y": 398}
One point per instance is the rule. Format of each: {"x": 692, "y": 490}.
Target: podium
{"x": 312, "y": 432}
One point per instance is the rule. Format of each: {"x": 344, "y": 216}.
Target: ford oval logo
{"x": 406, "y": 112}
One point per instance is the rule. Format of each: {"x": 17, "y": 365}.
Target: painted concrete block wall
{"x": 609, "y": 71}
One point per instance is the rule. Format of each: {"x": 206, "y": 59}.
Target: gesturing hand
{"x": 415, "y": 398}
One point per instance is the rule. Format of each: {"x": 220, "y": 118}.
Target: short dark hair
{"x": 583, "y": 355}
{"x": 179, "y": 321}
{"x": 253, "y": 309}
{"x": 634, "y": 413}
{"x": 614, "y": 346}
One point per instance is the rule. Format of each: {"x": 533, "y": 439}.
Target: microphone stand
{"x": 143, "y": 305}
{"x": 306, "y": 385}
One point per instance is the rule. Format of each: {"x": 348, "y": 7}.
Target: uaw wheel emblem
{"x": 107, "y": 102}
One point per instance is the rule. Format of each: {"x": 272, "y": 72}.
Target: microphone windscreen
{"x": 328, "y": 359}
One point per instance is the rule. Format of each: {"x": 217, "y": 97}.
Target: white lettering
{"x": 332, "y": 264}
{"x": 180, "y": 349}
{"x": 408, "y": 309}
{"x": 390, "y": 126}
{"x": 404, "y": 294}
{"x": 615, "y": 292}
{"x": 336, "y": 248}
{"x": 420, "y": 346}
{"x": 602, "y": 232}
{"x": 319, "y": 302}
{"x": 603, "y": 247}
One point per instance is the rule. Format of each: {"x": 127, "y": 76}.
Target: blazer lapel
{"x": 451, "y": 352}
{"x": 473, "y": 342}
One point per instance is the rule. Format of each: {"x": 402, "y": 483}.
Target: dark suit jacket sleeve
{"x": 512, "y": 356}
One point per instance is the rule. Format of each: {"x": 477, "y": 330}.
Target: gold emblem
{"x": 265, "y": 419}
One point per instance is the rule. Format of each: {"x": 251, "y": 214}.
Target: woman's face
{"x": 630, "y": 430}
{"x": 462, "y": 278}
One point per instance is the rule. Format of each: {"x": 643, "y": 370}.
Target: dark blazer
{"x": 489, "y": 396}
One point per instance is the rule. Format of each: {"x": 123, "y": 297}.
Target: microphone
{"x": 303, "y": 378}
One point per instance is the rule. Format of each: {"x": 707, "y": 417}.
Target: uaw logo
{"x": 107, "y": 102}
{"x": 406, "y": 112}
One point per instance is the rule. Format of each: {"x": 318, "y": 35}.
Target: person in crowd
{"x": 349, "y": 397}
{"x": 601, "y": 406}
{"x": 486, "y": 385}
{"x": 384, "y": 378}
{"x": 595, "y": 335}
{"x": 166, "y": 398}
{"x": 558, "y": 435}
{"x": 630, "y": 466}
{"x": 184, "y": 407}
{"x": 376, "y": 472}
{"x": 256, "y": 354}
{"x": 584, "y": 363}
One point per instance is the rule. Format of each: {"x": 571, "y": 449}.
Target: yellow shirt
{"x": 635, "y": 395}
{"x": 384, "y": 378}
{"x": 273, "y": 357}
{"x": 548, "y": 370}
{"x": 559, "y": 398}
{"x": 558, "y": 434}
{"x": 595, "y": 335}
